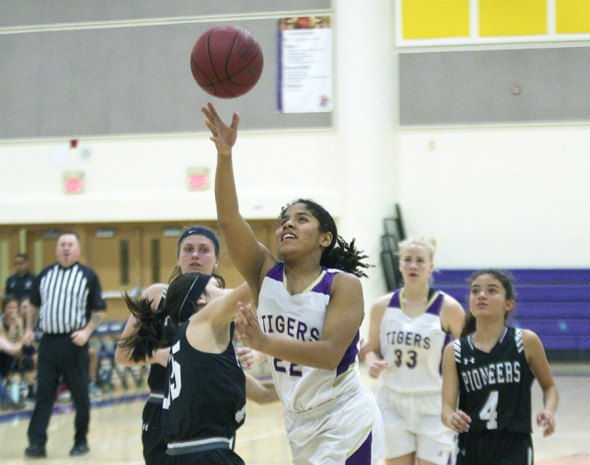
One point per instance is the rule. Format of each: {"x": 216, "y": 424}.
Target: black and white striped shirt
{"x": 66, "y": 297}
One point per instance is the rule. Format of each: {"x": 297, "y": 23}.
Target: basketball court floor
{"x": 115, "y": 430}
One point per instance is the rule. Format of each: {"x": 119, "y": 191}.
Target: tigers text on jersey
{"x": 413, "y": 346}
{"x": 495, "y": 387}
{"x": 205, "y": 397}
{"x": 301, "y": 316}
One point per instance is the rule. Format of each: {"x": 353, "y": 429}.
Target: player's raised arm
{"x": 251, "y": 258}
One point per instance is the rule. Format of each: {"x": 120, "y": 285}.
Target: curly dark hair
{"x": 339, "y": 254}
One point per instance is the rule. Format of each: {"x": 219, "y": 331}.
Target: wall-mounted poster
{"x": 305, "y": 65}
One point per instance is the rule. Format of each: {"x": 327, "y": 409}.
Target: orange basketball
{"x": 226, "y": 61}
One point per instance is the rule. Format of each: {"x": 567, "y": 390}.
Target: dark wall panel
{"x": 125, "y": 80}
{"x": 477, "y": 87}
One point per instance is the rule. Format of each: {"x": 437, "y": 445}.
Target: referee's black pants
{"x": 58, "y": 355}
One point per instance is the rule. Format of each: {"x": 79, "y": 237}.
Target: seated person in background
{"x": 6, "y": 347}
{"x": 27, "y": 364}
{"x": 11, "y": 329}
{"x": 11, "y": 335}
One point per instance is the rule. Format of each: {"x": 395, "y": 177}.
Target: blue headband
{"x": 201, "y": 231}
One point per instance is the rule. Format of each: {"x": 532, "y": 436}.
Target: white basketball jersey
{"x": 413, "y": 347}
{"x": 301, "y": 317}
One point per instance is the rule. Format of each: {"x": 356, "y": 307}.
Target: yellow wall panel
{"x": 435, "y": 19}
{"x": 512, "y": 17}
{"x": 573, "y": 16}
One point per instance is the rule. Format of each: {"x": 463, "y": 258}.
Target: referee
{"x": 67, "y": 298}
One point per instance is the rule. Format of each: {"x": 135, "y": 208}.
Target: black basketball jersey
{"x": 205, "y": 395}
{"x": 157, "y": 376}
{"x": 495, "y": 387}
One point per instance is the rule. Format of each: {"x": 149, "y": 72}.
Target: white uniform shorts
{"x": 413, "y": 424}
{"x": 343, "y": 431}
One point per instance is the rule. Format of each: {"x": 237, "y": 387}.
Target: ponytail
{"x": 345, "y": 257}
{"x": 339, "y": 254}
{"x": 469, "y": 325}
{"x": 152, "y": 332}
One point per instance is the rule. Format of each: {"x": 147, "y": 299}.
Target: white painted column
{"x": 366, "y": 111}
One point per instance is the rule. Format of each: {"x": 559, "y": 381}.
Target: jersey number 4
{"x": 489, "y": 412}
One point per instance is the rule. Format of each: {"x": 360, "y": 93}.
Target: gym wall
{"x": 111, "y": 67}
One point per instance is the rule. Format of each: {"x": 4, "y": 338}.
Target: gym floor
{"x": 115, "y": 429}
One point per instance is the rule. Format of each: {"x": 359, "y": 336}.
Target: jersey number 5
{"x": 489, "y": 412}
{"x": 294, "y": 369}
{"x": 175, "y": 378}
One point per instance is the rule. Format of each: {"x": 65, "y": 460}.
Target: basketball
{"x": 226, "y": 61}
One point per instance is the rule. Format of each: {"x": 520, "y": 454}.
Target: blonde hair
{"x": 429, "y": 243}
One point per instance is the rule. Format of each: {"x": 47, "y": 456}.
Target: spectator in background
{"x": 11, "y": 329}
{"x": 8, "y": 348}
{"x": 67, "y": 298}
{"x": 20, "y": 284}
{"x": 28, "y": 360}
{"x": 11, "y": 335}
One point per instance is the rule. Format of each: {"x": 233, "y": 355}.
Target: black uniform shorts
{"x": 495, "y": 448}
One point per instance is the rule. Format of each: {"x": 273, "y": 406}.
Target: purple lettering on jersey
{"x": 291, "y": 327}
{"x": 267, "y": 323}
{"x": 301, "y": 330}
{"x": 314, "y": 334}
{"x": 280, "y": 323}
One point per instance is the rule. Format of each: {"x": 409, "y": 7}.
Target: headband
{"x": 192, "y": 295}
{"x": 201, "y": 231}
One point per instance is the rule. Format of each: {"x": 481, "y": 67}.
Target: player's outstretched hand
{"x": 222, "y": 135}
{"x": 247, "y": 328}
